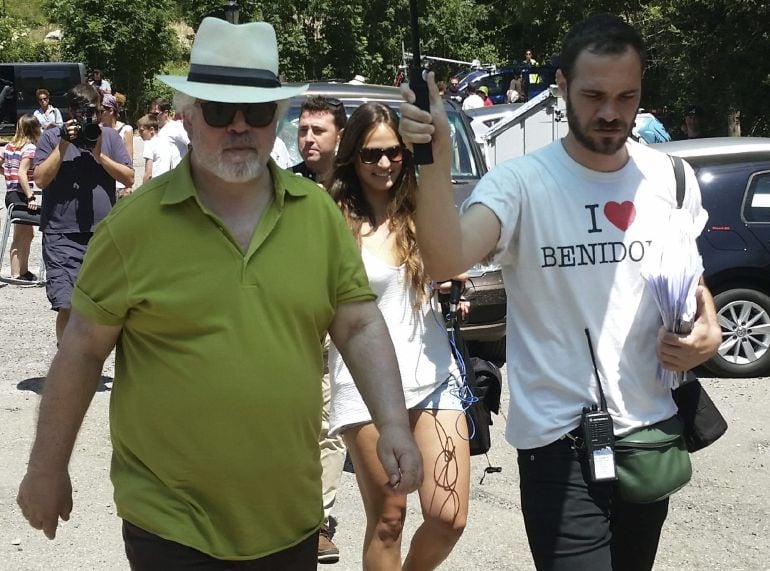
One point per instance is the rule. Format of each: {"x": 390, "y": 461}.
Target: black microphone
{"x": 454, "y": 295}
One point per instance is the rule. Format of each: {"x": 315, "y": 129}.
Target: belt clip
{"x": 577, "y": 441}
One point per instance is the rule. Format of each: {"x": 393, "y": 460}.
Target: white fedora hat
{"x": 232, "y": 63}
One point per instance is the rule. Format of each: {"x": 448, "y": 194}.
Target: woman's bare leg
{"x": 385, "y": 510}
{"x": 442, "y": 437}
{"x": 19, "y": 252}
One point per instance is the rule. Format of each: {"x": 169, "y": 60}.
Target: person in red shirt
{"x": 483, "y": 91}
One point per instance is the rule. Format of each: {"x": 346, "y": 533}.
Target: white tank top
{"x": 419, "y": 337}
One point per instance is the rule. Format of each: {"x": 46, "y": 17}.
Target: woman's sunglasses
{"x": 371, "y": 156}
{"x": 218, "y": 114}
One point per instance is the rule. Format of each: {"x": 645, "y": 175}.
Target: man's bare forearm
{"x": 69, "y": 387}
{"x": 46, "y": 171}
{"x": 118, "y": 171}
{"x": 437, "y": 222}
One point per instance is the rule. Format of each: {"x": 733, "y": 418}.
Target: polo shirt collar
{"x": 180, "y": 186}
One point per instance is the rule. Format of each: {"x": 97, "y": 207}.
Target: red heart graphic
{"x": 620, "y": 214}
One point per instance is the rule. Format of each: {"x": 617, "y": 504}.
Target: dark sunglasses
{"x": 371, "y": 156}
{"x": 43, "y": 99}
{"x": 218, "y": 114}
{"x": 333, "y": 101}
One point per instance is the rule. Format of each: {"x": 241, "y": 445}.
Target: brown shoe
{"x": 327, "y": 551}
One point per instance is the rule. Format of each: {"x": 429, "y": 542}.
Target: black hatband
{"x": 232, "y": 76}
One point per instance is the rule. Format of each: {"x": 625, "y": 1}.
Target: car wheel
{"x": 744, "y": 316}
{"x": 489, "y": 350}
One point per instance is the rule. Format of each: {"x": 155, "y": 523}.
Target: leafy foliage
{"x": 129, "y": 40}
{"x": 709, "y": 52}
{"x": 16, "y": 43}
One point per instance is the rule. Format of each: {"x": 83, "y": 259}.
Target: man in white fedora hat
{"x": 217, "y": 282}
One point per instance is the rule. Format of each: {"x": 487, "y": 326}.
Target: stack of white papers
{"x": 672, "y": 269}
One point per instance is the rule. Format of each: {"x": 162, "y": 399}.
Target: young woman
{"x": 17, "y": 161}
{"x": 374, "y": 184}
{"x": 110, "y": 118}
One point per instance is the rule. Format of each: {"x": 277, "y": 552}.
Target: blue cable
{"x": 464, "y": 391}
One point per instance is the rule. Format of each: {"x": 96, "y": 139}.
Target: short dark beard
{"x": 601, "y": 146}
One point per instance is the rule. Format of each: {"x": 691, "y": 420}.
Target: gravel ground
{"x": 720, "y": 521}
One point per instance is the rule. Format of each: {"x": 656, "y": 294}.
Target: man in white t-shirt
{"x": 171, "y": 130}
{"x": 570, "y": 225}
{"x": 473, "y": 100}
{"x": 159, "y": 155}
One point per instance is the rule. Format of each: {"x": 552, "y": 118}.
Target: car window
{"x": 757, "y": 204}
{"x": 463, "y": 164}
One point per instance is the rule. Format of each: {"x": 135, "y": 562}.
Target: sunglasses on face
{"x": 371, "y": 156}
{"x": 43, "y": 99}
{"x": 218, "y": 114}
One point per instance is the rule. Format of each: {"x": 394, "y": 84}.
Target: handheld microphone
{"x": 454, "y": 295}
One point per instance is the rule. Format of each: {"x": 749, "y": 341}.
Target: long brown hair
{"x": 345, "y": 188}
{"x": 27, "y": 131}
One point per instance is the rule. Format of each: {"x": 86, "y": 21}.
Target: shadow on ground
{"x": 36, "y": 384}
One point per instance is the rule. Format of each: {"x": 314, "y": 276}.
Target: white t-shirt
{"x": 473, "y": 101}
{"x": 280, "y": 154}
{"x": 419, "y": 337}
{"x": 571, "y": 246}
{"x": 164, "y": 155}
{"x": 174, "y": 132}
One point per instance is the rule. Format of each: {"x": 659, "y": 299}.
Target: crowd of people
{"x": 285, "y": 316}
{"x": 46, "y": 127}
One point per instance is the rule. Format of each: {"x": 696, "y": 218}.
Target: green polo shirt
{"x": 216, "y": 406}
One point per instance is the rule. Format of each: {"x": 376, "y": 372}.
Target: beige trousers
{"x": 332, "y": 453}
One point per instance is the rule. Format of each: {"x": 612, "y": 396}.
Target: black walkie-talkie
{"x": 598, "y": 432}
{"x": 599, "y": 442}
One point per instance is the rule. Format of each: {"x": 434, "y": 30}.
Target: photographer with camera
{"x": 76, "y": 166}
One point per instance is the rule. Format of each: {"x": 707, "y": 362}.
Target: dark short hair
{"x": 162, "y": 104}
{"x": 40, "y": 92}
{"x": 603, "y": 34}
{"x": 83, "y": 93}
{"x": 321, "y": 104}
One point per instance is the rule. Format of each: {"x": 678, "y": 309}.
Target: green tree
{"x": 129, "y": 40}
{"x": 16, "y": 43}
{"x": 716, "y": 56}
{"x": 321, "y": 39}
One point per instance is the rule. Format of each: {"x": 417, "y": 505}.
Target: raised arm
{"x": 360, "y": 334}
{"x": 47, "y": 170}
{"x": 45, "y": 493}
{"x": 120, "y": 172}
{"x": 449, "y": 244}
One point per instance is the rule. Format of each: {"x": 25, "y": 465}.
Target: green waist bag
{"x": 653, "y": 462}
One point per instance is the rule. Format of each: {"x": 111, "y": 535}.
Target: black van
{"x": 19, "y": 81}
